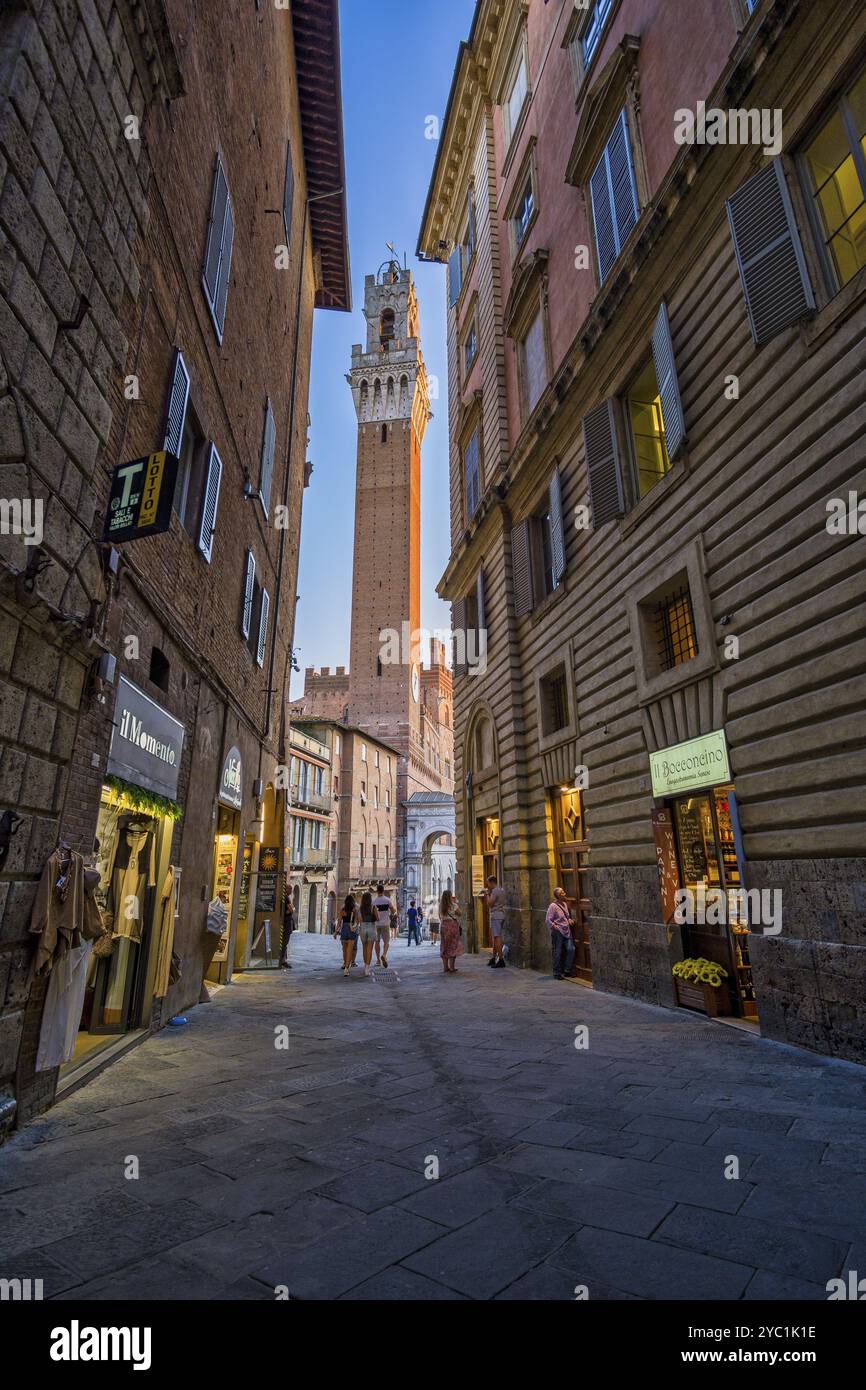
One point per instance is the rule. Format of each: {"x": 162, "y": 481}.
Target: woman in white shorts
{"x": 367, "y": 930}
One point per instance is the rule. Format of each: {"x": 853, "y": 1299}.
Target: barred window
{"x": 675, "y": 630}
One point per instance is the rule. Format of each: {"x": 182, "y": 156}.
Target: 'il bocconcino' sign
{"x": 146, "y": 742}
{"x": 684, "y": 767}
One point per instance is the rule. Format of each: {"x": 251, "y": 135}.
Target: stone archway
{"x": 429, "y": 848}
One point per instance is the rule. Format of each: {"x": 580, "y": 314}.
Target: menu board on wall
{"x": 691, "y": 838}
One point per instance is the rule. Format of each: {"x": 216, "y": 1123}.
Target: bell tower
{"x": 389, "y": 388}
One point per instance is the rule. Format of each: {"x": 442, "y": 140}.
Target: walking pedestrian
{"x": 288, "y": 928}
{"x": 384, "y": 914}
{"x": 452, "y": 932}
{"x": 349, "y": 921}
{"x": 495, "y": 899}
{"x": 413, "y": 919}
{"x": 368, "y": 930}
{"x": 559, "y": 921}
{"x": 434, "y": 925}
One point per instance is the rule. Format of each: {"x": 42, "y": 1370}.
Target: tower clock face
{"x": 416, "y": 684}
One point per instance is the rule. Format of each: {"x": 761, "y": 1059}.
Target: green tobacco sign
{"x": 141, "y": 498}
{"x": 684, "y": 767}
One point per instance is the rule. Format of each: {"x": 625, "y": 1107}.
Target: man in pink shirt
{"x": 559, "y": 922}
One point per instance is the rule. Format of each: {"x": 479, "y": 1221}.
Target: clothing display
{"x": 63, "y": 1002}
{"x": 65, "y": 911}
{"x": 162, "y": 978}
{"x": 130, "y": 875}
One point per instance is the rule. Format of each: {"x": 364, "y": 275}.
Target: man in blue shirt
{"x": 413, "y": 918}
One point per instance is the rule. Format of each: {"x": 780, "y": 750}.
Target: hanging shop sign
{"x": 141, "y": 498}
{"x": 231, "y": 781}
{"x": 146, "y": 742}
{"x": 684, "y": 767}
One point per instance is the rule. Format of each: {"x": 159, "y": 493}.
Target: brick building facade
{"x": 160, "y": 270}
{"x": 655, "y": 376}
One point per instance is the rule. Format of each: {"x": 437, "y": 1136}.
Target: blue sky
{"x": 398, "y": 59}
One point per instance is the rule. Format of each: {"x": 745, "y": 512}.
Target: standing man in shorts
{"x": 495, "y": 897}
{"x": 384, "y": 910}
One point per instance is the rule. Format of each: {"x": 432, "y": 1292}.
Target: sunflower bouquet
{"x": 700, "y": 971}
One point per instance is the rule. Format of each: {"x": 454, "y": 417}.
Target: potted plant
{"x": 700, "y": 985}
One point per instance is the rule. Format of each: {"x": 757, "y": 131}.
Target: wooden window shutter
{"x": 288, "y": 194}
{"x": 614, "y": 196}
{"x": 458, "y": 634}
{"x": 269, "y": 441}
{"x": 263, "y": 627}
{"x": 225, "y": 269}
{"x": 215, "y": 230}
{"x": 669, "y": 389}
{"x": 557, "y": 530}
{"x": 249, "y": 594}
{"x": 769, "y": 254}
{"x": 521, "y": 565}
{"x": 472, "y": 476}
{"x": 211, "y": 503}
{"x": 481, "y": 600}
{"x": 455, "y": 275}
{"x": 178, "y": 397}
{"x": 602, "y": 464}
{"x": 623, "y": 191}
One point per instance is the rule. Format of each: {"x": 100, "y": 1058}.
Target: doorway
{"x": 571, "y": 850}
{"x": 707, "y": 846}
{"x": 312, "y": 907}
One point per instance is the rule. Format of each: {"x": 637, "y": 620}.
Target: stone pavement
{"x": 307, "y": 1168}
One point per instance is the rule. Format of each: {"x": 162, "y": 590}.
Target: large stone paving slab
{"x": 557, "y": 1167}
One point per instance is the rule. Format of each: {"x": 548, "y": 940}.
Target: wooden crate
{"x": 704, "y": 999}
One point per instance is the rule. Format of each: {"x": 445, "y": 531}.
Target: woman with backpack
{"x": 349, "y": 919}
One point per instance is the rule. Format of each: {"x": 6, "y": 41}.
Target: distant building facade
{"x": 654, "y": 373}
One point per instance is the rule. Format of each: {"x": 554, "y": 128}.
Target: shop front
{"x": 138, "y": 885}
{"x": 227, "y": 864}
{"x": 702, "y": 870}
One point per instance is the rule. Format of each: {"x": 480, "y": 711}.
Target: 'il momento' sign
{"x": 146, "y": 742}
{"x": 141, "y": 498}
{"x": 685, "y": 767}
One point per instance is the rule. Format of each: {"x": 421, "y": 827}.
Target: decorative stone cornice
{"x": 617, "y": 80}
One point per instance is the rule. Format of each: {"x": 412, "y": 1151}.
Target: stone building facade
{"x": 141, "y": 259}
{"x": 655, "y": 330}
{"x": 310, "y": 855}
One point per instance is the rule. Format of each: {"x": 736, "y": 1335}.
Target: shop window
{"x": 675, "y": 629}
{"x": 646, "y": 429}
{"x": 834, "y": 162}
{"x": 554, "y": 702}
{"x": 160, "y": 669}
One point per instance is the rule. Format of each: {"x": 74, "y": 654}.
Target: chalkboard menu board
{"x": 691, "y": 838}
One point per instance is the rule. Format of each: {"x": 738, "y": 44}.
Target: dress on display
{"x": 130, "y": 875}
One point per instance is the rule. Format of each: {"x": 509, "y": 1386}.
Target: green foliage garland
{"x": 137, "y": 799}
